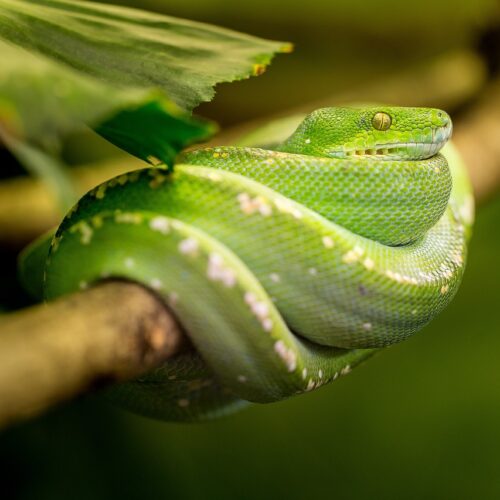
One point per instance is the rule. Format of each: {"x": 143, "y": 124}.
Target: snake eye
{"x": 381, "y": 121}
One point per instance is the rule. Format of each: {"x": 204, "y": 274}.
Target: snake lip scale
{"x": 392, "y": 150}
{"x": 286, "y": 267}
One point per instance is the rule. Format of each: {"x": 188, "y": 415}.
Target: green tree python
{"x": 286, "y": 266}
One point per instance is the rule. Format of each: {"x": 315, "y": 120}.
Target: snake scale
{"x": 285, "y": 266}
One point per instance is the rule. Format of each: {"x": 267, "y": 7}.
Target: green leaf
{"x": 133, "y": 76}
{"x": 155, "y": 131}
{"x": 133, "y": 48}
{"x": 41, "y": 101}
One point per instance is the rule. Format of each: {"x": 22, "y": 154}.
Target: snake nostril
{"x": 444, "y": 119}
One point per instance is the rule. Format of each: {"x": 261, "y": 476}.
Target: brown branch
{"x": 50, "y": 353}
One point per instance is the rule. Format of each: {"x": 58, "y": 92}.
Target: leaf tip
{"x": 258, "y": 69}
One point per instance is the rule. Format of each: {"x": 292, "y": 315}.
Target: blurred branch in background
{"x": 28, "y": 208}
{"x": 448, "y": 81}
{"x": 477, "y": 138}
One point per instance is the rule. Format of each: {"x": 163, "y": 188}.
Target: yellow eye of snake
{"x": 381, "y": 121}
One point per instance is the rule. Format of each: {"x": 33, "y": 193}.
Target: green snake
{"x": 286, "y": 266}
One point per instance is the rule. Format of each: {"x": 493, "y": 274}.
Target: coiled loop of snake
{"x": 287, "y": 266}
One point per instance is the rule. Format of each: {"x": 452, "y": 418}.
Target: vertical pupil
{"x": 381, "y": 121}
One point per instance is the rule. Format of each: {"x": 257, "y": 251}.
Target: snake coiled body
{"x": 285, "y": 267}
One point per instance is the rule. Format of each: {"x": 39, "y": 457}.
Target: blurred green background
{"x": 420, "y": 420}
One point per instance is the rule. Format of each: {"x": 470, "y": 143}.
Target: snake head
{"x": 373, "y": 132}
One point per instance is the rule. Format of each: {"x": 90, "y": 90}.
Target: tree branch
{"x": 50, "y": 353}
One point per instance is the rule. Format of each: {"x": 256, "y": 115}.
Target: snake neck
{"x": 393, "y": 203}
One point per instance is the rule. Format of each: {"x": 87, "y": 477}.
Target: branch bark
{"x": 52, "y": 352}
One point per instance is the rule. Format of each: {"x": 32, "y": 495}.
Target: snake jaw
{"x": 393, "y": 151}
{"x": 408, "y": 150}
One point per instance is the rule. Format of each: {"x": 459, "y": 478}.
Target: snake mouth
{"x": 409, "y": 150}
{"x": 399, "y": 151}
